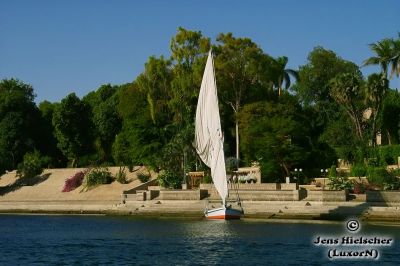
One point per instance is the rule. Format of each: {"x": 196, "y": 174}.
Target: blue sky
{"x": 61, "y": 47}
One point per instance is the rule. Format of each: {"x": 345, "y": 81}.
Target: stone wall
{"x": 143, "y": 186}
{"x": 257, "y": 186}
{"x": 271, "y": 195}
{"x": 135, "y": 197}
{"x": 290, "y": 186}
{"x": 252, "y": 186}
{"x": 326, "y": 195}
{"x": 383, "y": 196}
{"x": 182, "y": 194}
{"x": 259, "y": 195}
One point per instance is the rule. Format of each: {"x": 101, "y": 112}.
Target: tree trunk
{"x": 388, "y": 137}
{"x": 236, "y": 109}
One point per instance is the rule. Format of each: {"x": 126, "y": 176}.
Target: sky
{"x": 60, "y": 47}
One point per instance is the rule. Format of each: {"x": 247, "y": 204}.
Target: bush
{"x": 391, "y": 184}
{"x": 97, "y": 176}
{"x": 358, "y": 170}
{"x": 121, "y": 176}
{"x": 169, "y": 180}
{"x": 393, "y": 181}
{"x": 338, "y": 180}
{"x": 207, "y": 178}
{"x": 339, "y": 183}
{"x": 74, "y": 181}
{"x": 31, "y": 165}
{"x": 389, "y": 154}
{"x": 332, "y": 171}
{"x": 377, "y": 175}
{"x": 358, "y": 188}
{"x": 143, "y": 177}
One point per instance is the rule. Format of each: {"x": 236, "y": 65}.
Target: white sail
{"x": 208, "y": 135}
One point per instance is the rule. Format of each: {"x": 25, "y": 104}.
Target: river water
{"x": 108, "y": 240}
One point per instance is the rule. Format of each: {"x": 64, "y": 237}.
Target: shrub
{"x": 97, "y": 176}
{"x": 169, "y": 180}
{"x": 121, "y": 176}
{"x": 377, "y": 175}
{"x": 358, "y": 170}
{"x": 74, "y": 181}
{"x": 389, "y": 154}
{"x": 207, "y": 178}
{"x": 393, "y": 181}
{"x": 339, "y": 183}
{"x": 358, "y": 187}
{"x": 143, "y": 177}
{"x": 332, "y": 171}
{"x": 391, "y": 184}
{"x": 338, "y": 180}
{"x": 31, "y": 165}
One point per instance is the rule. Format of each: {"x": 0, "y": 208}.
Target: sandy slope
{"x": 50, "y": 189}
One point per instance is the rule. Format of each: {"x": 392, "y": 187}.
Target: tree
{"x": 155, "y": 82}
{"x": 282, "y": 74}
{"x": 140, "y": 141}
{"x": 313, "y": 89}
{"x": 104, "y": 116}
{"x": 275, "y": 135}
{"x": 375, "y": 91}
{"x": 189, "y": 50}
{"x": 347, "y": 91}
{"x": 395, "y": 61}
{"x": 389, "y": 117}
{"x": 48, "y": 142}
{"x": 383, "y": 55}
{"x": 72, "y": 128}
{"x": 313, "y": 84}
{"x": 19, "y": 120}
{"x": 237, "y": 72}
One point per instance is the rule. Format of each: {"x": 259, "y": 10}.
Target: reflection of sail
{"x": 208, "y": 135}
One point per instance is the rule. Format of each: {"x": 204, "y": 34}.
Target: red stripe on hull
{"x": 224, "y": 217}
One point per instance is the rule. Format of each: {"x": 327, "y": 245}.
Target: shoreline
{"x": 45, "y": 197}
{"x": 268, "y": 211}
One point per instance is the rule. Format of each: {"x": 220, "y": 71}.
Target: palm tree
{"x": 395, "y": 61}
{"x": 375, "y": 91}
{"x": 283, "y": 74}
{"x": 384, "y": 55}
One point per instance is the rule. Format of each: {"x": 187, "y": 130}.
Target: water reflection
{"x": 131, "y": 240}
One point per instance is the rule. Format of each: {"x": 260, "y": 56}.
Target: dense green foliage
{"x": 169, "y": 180}
{"x": 286, "y": 118}
{"x": 71, "y": 128}
{"x": 97, "y": 176}
{"x": 19, "y": 123}
{"x": 31, "y": 166}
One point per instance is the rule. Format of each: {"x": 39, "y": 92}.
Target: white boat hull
{"x": 223, "y": 213}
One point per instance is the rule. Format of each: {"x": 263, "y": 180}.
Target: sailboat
{"x": 209, "y": 141}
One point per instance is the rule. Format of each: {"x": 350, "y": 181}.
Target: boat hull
{"x": 223, "y": 213}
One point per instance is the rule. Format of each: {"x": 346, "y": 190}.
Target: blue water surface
{"x": 107, "y": 240}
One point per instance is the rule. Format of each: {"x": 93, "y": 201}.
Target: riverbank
{"x": 45, "y": 197}
{"x": 194, "y": 209}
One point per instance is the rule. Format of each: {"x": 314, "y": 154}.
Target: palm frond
{"x": 371, "y": 61}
